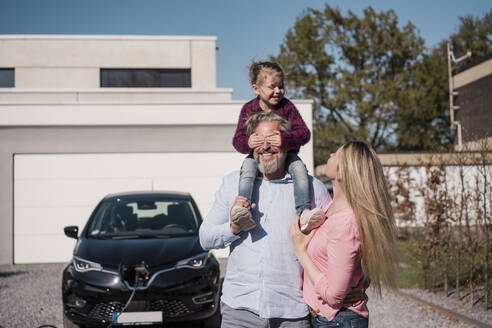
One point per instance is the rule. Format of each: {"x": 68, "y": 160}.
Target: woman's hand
{"x": 299, "y": 239}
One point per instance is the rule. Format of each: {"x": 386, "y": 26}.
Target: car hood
{"x": 155, "y": 252}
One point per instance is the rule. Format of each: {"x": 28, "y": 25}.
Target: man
{"x": 262, "y": 286}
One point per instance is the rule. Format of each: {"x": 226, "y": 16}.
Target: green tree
{"x": 424, "y": 124}
{"x": 359, "y": 71}
{"x": 475, "y": 35}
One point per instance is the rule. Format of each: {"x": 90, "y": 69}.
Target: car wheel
{"x": 69, "y": 324}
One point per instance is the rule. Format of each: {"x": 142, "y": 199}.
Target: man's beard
{"x": 274, "y": 166}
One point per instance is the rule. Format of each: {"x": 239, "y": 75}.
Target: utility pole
{"x": 452, "y": 107}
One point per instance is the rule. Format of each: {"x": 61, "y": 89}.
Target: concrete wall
{"x": 96, "y": 127}
{"x": 473, "y": 186}
{"x": 473, "y": 73}
{"x": 398, "y": 166}
{"x": 73, "y": 61}
{"x": 9, "y": 95}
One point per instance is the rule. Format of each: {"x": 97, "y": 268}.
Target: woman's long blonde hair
{"x": 365, "y": 188}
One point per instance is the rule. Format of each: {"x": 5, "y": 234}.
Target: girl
{"x": 355, "y": 242}
{"x": 267, "y": 81}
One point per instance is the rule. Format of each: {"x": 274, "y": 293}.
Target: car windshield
{"x": 143, "y": 218}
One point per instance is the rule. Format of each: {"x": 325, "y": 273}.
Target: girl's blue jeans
{"x": 297, "y": 171}
{"x": 344, "y": 319}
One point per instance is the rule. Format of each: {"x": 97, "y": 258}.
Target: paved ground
{"x": 30, "y": 296}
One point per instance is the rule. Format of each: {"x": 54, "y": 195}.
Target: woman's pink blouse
{"x": 335, "y": 250}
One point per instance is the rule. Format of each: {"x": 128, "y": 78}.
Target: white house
{"x": 83, "y": 116}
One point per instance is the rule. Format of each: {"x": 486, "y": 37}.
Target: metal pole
{"x": 458, "y": 129}
{"x": 454, "y": 124}
{"x": 450, "y": 78}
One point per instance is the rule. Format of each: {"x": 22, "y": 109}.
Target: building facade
{"x": 473, "y": 84}
{"x": 84, "y": 116}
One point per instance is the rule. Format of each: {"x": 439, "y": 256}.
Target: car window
{"x": 144, "y": 218}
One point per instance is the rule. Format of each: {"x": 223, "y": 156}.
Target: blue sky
{"x": 245, "y": 30}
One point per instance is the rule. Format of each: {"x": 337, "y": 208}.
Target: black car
{"x": 137, "y": 261}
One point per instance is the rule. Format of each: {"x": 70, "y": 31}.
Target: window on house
{"x": 145, "y": 78}
{"x": 7, "y": 78}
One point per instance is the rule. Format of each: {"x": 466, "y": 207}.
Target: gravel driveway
{"x": 30, "y": 296}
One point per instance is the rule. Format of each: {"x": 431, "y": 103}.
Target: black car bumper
{"x": 184, "y": 294}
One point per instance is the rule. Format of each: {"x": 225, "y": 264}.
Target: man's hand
{"x": 274, "y": 139}
{"x": 255, "y": 141}
{"x": 243, "y": 202}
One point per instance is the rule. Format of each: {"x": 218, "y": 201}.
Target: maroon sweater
{"x": 291, "y": 140}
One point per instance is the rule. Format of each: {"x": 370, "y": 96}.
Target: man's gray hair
{"x": 255, "y": 119}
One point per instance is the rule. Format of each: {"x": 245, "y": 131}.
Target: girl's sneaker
{"x": 242, "y": 217}
{"x": 311, "y": 219}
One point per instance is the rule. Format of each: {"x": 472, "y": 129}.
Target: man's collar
{"x": 285, "y": 179}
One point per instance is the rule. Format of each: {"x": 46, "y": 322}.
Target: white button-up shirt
{"x": 263, "y": 274}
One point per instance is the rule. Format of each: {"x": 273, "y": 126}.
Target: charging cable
{"x": 112, "y": 321}
{"x": 124, "y": 308}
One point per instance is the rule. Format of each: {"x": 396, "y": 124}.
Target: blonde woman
{"x": 355, "y": 243}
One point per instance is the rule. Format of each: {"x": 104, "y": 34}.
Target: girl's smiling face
{"x": 269, "y": 89}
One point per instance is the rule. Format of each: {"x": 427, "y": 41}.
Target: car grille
{"x": 104, "y": 311}
{"x": 170, "y": 308}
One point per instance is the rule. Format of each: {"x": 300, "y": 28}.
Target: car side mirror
{"x": 72, "y": 231}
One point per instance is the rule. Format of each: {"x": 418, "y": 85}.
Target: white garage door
{"x": 54, "y": 191}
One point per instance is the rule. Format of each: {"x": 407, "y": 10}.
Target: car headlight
{"x": 82, "y": 265}
{"x": 195, "y": 262}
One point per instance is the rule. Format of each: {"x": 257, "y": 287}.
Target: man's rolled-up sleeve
{"x": 321, "y": 196}
{"x": 215, "y": 231}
